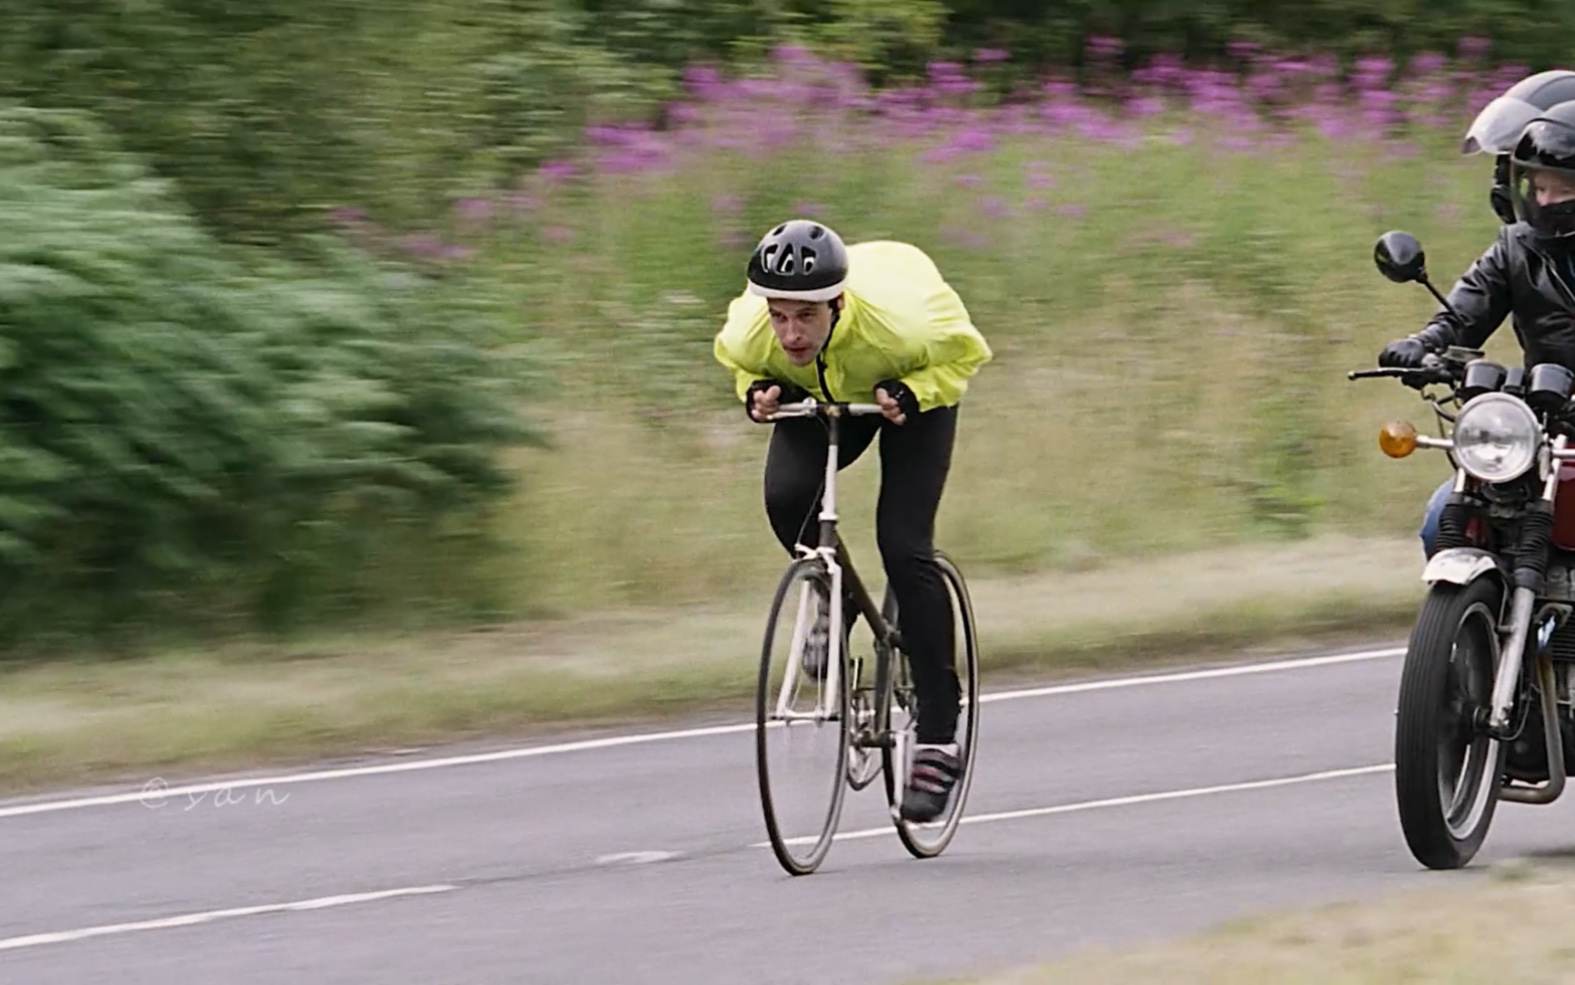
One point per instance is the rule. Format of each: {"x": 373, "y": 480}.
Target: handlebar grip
{"x": 1433, "y": 370}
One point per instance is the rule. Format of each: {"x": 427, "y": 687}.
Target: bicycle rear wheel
{"x": 800, "y": 714}
{"x": 929, "y": 839}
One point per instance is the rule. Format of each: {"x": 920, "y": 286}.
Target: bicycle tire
{"x": 811, "y": 569}
{"x": 968, "y": 736}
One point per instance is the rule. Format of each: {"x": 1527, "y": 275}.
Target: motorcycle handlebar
{"x": 1432, "y": 370}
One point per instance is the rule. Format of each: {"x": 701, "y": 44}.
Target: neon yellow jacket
{"x": 900, "y": 320}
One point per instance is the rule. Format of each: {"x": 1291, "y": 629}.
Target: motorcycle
{"x": 1488, "y": 684}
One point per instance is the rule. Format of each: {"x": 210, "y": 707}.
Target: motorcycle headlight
{"x": 1496, "y": 437}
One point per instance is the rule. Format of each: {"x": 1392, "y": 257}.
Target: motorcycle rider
{"x": 1527, "y": 274}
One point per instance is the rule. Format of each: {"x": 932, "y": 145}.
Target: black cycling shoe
{"x": 935, "y": 772}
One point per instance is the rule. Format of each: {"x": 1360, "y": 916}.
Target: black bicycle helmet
{"x": 1500, "y": 123}
{"x": 801, "y": 260}
{"x": 1547, "y": 145}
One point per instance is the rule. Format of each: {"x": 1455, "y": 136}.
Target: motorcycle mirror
{"x": 1400, "y": 258}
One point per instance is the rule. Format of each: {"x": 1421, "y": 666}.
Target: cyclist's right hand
{"x": 764, "y": 397}
{"x": 1406, "y": 353}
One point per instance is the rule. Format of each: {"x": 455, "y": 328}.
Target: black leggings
{"x": 914, "y": 459}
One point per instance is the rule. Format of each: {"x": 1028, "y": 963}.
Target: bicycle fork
{"x": 829, "y": 707}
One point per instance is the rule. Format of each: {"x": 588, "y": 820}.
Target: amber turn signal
{"x": 1397, "y": 439}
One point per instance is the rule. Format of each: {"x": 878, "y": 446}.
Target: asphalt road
{"x": 510, "y": 866}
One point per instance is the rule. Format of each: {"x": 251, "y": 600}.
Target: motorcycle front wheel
{"x": 1447, "y": 770}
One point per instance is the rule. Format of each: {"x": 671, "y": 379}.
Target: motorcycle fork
{"x": 1507, "y": 679}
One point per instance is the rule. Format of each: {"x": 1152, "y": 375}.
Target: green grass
{"x": 1509, "y": 928}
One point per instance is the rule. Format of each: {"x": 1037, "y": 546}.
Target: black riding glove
{"x": 790, "y": 393}
{"x": 1406, "y": 353}
{"x": 898, "y": 391}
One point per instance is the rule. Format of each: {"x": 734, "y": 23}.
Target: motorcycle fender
{"x": 1460, "y": 566}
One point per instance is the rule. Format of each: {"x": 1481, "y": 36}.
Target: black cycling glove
{"x": 790, "y": 393}
{"x": 898, "y": 391}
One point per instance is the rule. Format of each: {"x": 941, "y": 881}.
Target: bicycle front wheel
{"x": 801, "y": 720}
{"x": 929, "y": 839}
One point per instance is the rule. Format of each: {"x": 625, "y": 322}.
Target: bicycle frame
{"x": 839, "y": 565}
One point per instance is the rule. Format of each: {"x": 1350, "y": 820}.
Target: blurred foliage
{"x": 191, "y": 432}
{"x": 211, "y": 411}
{"x": 269, "y": 113}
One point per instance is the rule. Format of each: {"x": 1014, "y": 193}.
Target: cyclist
{"x": 1527, "y": 273}
{"x": 876, "y": 323}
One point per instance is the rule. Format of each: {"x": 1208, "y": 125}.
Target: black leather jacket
{"x": 1521, "y": 277}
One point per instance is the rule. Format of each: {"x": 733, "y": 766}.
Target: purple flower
{"x": 967, "y": 237}
{"x": 990, "y": 55}
{"x": 422, "y": 245}
{"x": 704, "y": 82}
{"x": 1102, "y": 45}
{"x": 790, "y": 54}
{"x": 556, "y": 170}
{"x": 944, "y": 71}
{"x": 1472, "y": 47}
{"x": 1374, "y": 67}
{"x": 973, "y": 139}
{"x": 994, "y": 205}
{"x": 474, "y": 209}
{"x": 939, "y": 154}
{"x": 1333, "y": 126}
{"x": 1427, "y": 63}
{"x": 1145, "y": 106}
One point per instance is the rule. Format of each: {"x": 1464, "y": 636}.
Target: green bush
{"x": 187, "y": 432}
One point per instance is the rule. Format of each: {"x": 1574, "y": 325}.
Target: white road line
{"x": 158, "y": 790}
{"x": 1089, "y": 805}
{"x": 1235, "y": 670}
{"x": 192, "y": 919}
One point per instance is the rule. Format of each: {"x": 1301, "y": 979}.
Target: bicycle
{"x": 862, "y": 712}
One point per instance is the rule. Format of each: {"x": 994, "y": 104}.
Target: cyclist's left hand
{"x": 889, "y": 407}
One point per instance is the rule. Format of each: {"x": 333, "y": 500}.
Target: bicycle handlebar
{"x": 810, "y": 407}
